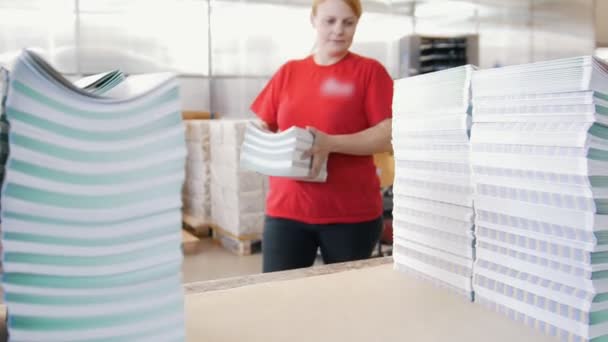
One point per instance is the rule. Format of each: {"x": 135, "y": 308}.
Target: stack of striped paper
{"x": 540, "y": 165}
{"x": 433, "y": 193}
{"x": 3, "y": 123}
{"x": 237, "y": 196}
{"x": 196, "y": 193}
{"x": 96, "y": 84}
{"x": 279, "y": 154}
{"x": 100, "y": 83}
{"x": 91, "y": 211}
{"x": 3, "y": 133}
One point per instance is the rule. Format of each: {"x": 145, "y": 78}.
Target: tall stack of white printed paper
{"x": 433, "y": 193}
{"x": 279, "y": 154}
{"x": 540, "y": 166}
{"x": 91, "y": 211}
{"x": 196, "y": 192}
{"x": 237, "y": 196}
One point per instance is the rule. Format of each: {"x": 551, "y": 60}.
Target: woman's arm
{"x": 373, "y": 140}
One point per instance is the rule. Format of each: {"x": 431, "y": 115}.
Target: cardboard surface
{"x": 371, "y": 304}
{"x": 363, "y": 305}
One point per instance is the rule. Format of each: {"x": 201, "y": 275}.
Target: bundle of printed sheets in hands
{"x": 281, "y": 154}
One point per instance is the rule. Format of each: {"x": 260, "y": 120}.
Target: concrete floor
{"x": 204, "y": 259}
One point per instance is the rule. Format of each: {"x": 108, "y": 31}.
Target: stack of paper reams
{"x": 540, "y": 161}
{"x": 90, "y": 211}
{"x": 433, "y": 192}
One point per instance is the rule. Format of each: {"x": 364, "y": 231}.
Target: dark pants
{"x": 289, "y": 244}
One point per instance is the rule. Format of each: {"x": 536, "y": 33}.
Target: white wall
{"x": 194, "y": 93}
{"x": 246, "y": 48}
{"x": 601, "y": 22}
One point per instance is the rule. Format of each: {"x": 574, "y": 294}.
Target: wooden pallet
{"x": 196, "y": 226}
{"x": 240, "y": 245}
{"x": 188, "y": 237}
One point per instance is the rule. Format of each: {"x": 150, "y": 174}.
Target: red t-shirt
{"x": 343, "y": 98}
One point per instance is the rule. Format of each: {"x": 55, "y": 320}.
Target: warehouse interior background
{"x": 224, "y": 51}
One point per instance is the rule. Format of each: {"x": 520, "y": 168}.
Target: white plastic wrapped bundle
{"x": 196, "y": 191}
{"x": 237, "y": 196}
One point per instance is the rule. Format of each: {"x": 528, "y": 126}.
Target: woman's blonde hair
{"x": 355, "y": 5}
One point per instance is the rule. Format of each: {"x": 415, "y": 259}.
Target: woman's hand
{"x": 319, "y": 151}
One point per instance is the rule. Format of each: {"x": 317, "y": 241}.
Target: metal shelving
{"x": 423, "y": 54}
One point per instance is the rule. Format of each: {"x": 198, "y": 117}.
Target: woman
{"x": 345, "y": 100}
